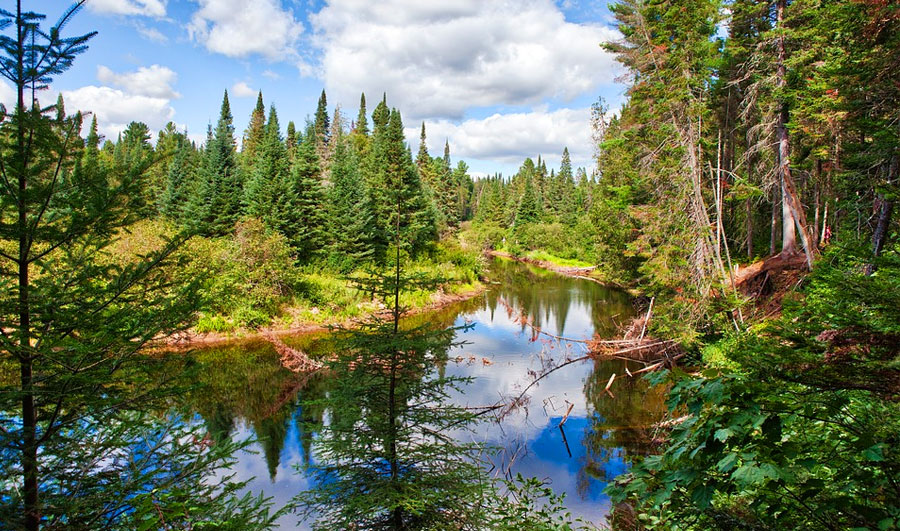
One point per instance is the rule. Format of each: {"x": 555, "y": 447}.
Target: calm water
{"x": 248, "y": 394}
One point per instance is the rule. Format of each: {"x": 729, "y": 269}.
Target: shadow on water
{"x": 245, "y": 392}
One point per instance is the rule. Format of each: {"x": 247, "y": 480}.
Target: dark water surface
{"x": 248, "y": 394}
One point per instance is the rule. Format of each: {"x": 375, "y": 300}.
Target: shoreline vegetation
{"x": 192, "y": 339}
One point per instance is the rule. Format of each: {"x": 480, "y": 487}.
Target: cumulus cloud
{"x": 509, "y": 138}
{"x": 7, "y": 95}
{"x": 154, "y": 81}
{"x": 239, "y": 28}
{"x": 242, "y": 90}
{"x": 441, "y": 60}
{"x": 115, "y": 109}
{"x": 150, "y": 8}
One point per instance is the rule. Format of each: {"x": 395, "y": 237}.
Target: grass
{"x": 544, "y": 256}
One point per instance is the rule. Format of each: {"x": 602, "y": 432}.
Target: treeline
{"x": 322, "y": 187}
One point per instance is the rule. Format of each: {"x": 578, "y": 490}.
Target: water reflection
{"x": 246, "y": 392}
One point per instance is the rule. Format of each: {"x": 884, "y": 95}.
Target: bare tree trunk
{"x": 773, "y": 236}
{"x": 879, "y": 237}
{"x": 792, "y": 210}
{"x": 749, "y": 229}
{"x": 788, "y": 233}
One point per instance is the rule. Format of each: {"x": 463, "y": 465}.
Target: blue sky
{"x": 501, "y": 80}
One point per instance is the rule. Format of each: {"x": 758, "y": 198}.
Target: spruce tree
{"x": 215, "y": 202}
{"x": 291, "y": 141}
{"x": 305, "y": 177}
{"x": 254, "y": 135}
{"x": 362, "y": 121}
{"x": 528, "y": 210}
{"x": 177, "y": 183}
{"x": 422, "y": 158}
{"x": 350, "y": 220}
{"x": 269, "y": 194}
{"x": 322, "y": 124}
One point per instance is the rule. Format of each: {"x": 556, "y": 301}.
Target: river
{"x": 245, "y": 393}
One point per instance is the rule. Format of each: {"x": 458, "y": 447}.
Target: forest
{"x": 743, "y": 194}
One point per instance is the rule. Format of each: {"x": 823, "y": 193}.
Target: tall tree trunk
{"x": 749, "y": 228}
{"x": 773, "y": 232}
{"x": 788, "y": 232}
{"x": 879, "y": 237}
{"x": 792, "y": 210}
{"x": 26, "y": 361}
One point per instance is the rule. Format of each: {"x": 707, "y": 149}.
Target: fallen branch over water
{"x": 293, "y": 359}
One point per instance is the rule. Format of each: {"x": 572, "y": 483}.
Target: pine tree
{"x": 292, "y": 140}
{"x": 215, "y": 202}
{"x": 176, "y": 192}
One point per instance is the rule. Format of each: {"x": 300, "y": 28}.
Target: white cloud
{"x": 242, "y": 90}
{"x": 238, "y": 28}
{"x": 115, "y": 109}
{"x": 150, "y": 8}
{"x": 151, "y": 34}
{"x": 441, "y": 60}
{"x": 271, "y": 75}
{"x": 509, "y": 138}
{"x": 7, "y": 96}
{"x": 154, "y": 81}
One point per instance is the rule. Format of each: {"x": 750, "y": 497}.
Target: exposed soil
{"x": 767, "y": 281}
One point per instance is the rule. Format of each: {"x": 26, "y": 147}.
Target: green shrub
{"x": 213, "y": 323}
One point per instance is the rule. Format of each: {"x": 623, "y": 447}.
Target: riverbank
{"x": 584, "y": 272}
{"x": 190, "y": 339}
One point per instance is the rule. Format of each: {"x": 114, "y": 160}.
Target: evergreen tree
{"x": 215, "y": 202}
{"x": 350, "y": 219}
{"x": 528, "y": 210}
{"x": 322, "y": 124}
{"x": 305, "y": 177}
{"x": 254, "y": 135}
{"x": 177, "y": 185}
{"x": 269, "y": 194}
{"x": 86, "y": 439}
{"x": 292, "y": 140}
{"x": 362, "y": 121}
{"x": 422, "y": 158}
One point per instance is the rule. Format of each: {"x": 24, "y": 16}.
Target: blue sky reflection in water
{"x": 248, "y": 394}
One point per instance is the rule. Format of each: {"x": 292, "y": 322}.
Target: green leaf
{"x": 874, "y": 452}
{"x": 749, "y": 474}
{"x": 723, "y": 434}
{"x": 727, "y": 463}
{"x": 703, "y": 495}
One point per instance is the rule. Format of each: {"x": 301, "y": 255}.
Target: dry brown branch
{"x": 293, "y": 359}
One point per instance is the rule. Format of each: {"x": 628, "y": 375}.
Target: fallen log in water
{"x": 291, "y": 358}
